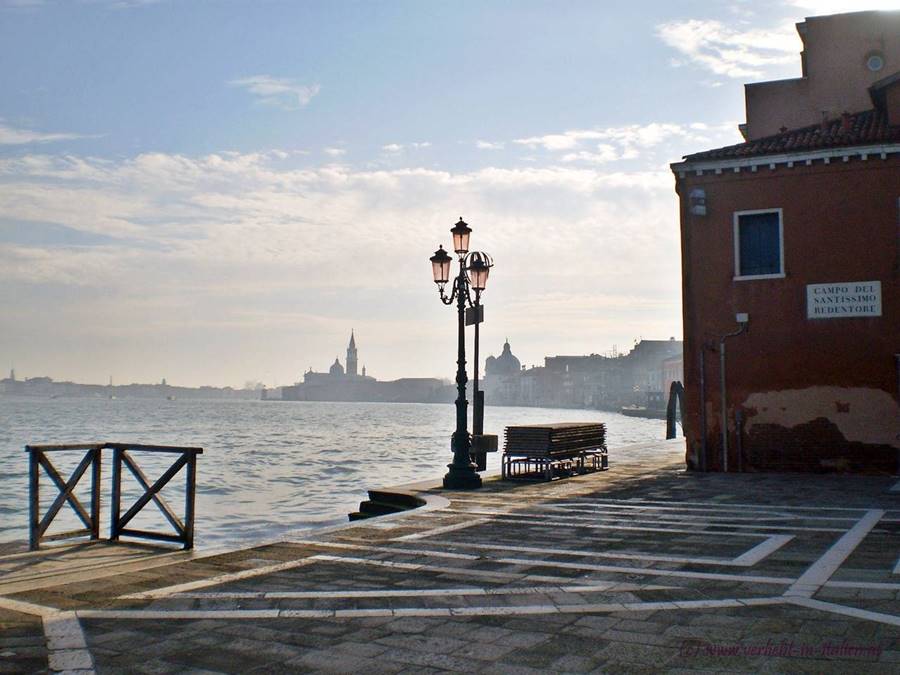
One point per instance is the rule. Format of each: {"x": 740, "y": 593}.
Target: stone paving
{"x": 643, "y": 568}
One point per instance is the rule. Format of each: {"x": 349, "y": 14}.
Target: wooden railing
{"x": 37, "y": 526}
{"x": 123, "y": 455}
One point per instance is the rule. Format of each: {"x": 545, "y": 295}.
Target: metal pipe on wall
{"x": 703, "y": 456}
{"x": 743, "y": 320}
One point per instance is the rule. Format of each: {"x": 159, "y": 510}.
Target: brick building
{"x": 791, "y": 258}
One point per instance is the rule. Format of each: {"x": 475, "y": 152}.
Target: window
{"x": 758, "y": 245}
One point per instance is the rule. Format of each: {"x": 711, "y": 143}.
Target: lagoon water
{"x": 268, "y": 467}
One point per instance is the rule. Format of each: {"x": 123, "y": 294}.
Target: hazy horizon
{"x": 215, "y": 193}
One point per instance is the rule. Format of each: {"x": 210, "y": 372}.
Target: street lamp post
{"x": 474, "y": 269}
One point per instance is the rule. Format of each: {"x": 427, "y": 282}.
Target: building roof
{"x": 870, "y": 127}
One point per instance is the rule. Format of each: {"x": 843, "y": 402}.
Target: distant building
{"x": 505, "y": 364}
{"x": 589, "y": 381}
{"x": 796, "y": 231}
{"x": 351, "y": 355}
{"x": 340, "y": 385}
{"x": 336, "y": 370}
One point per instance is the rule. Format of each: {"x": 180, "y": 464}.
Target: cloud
{"x": 227, "y": 255}
{"x": 335, "y": 152}
{"x": 279, "y": 92}
{"x": 13, "y": 136}
{"x": 731, "y": 51}
{"x": 630, "y": 141}
{"x": 487, "y": 145}
{"x": 563, "y": 141}
{"x": 606, "y": 153}
{"x": 394, "y": 148}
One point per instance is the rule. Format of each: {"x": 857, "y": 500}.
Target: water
{"x": 268, "y": 466}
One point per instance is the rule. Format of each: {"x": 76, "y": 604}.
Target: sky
{"x": 216, "y": 192}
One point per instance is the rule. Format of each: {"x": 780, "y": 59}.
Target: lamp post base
{"x": 464, "y": 478}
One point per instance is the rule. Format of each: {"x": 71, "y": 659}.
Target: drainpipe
{"x": 704, "y": 464}
{"x": 743, "y": 320}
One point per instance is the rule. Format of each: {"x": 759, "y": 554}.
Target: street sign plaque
{"x": 474, "y": 315}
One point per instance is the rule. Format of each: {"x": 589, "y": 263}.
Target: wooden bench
{"x": 547, "y": 451}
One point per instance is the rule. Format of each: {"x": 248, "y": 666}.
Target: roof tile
{"x": 869, "y": 127}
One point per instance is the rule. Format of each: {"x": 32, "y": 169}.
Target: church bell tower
{"x": 351, "y": 356}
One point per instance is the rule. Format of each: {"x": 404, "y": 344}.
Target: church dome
{"x": 336, "y": 368}
{"x": 505, "y": 364}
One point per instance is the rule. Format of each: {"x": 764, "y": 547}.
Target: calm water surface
{"x": 268, "y": 466}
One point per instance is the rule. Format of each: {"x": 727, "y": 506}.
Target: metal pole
{"x": 703, "y": 455}
{"x": 478, "y": 401}
{"x": 461, "y": 474}
{"x": 724, "y": 401}
{"x": 724, "y": 406}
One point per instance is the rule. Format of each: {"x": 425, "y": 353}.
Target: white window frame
{"x": 737, "y": 245}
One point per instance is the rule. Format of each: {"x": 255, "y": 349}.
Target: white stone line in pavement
{"x": 92, "y": 572}
{"x": 599, "y": 587}
{"x": 215, "y": 581}
{"x": 844, "y": 610}
{"x": 159, "y": 615}
{"x": 721, "y": 505}
{"x": 518, "y": 610}
{"x": 747, "y": 559}
{"x": 683, "y": 514}
{"x": 762, "y": 550}
{"x": 897, "y": 567}
{"x": 873, "y": 585}
{"x": 438, "y": 569}
{"x": 644, "y": 571}
{"x": 442, "y": 530}
{"x": 821, "y": 570}
{"x": 66, "y": 647}
{"x": 688, "y": 512}
{"x": 27, "y": 607}
{"x": 589, "y": 523}
{"x": 381, "y": 549}
{"x": 690, "y": 517}
{"x": 648, "y": 571}
{"x": 696, "y": 525}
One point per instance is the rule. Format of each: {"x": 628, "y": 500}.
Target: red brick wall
{"x": 815, "y": 394}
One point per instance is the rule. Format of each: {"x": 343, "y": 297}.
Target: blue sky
{"x": 216, "y": 192}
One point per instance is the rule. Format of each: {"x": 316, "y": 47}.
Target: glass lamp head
{"x": 440, "y": 266}
{"x": 461, "y": 233}
{"x": 478, "y": 269}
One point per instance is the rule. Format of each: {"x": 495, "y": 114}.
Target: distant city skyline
{"x": 219, "y": 192}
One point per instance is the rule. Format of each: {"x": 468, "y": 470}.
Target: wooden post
{"x": 116, "y": 505}
{"x": 189, "y": 495}
{"x": 34, "y": 502}
{"x": 95, "y": 493}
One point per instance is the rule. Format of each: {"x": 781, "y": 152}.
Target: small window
{"x": 758, "y": 249}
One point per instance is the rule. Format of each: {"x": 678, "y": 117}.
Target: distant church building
{"x": 337, "y": 373}
{"x": 339, "y": 384}
{"x": 336, "y": 368}
{"x": 351, "y": 355}
{"x": 505, "y": 364}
